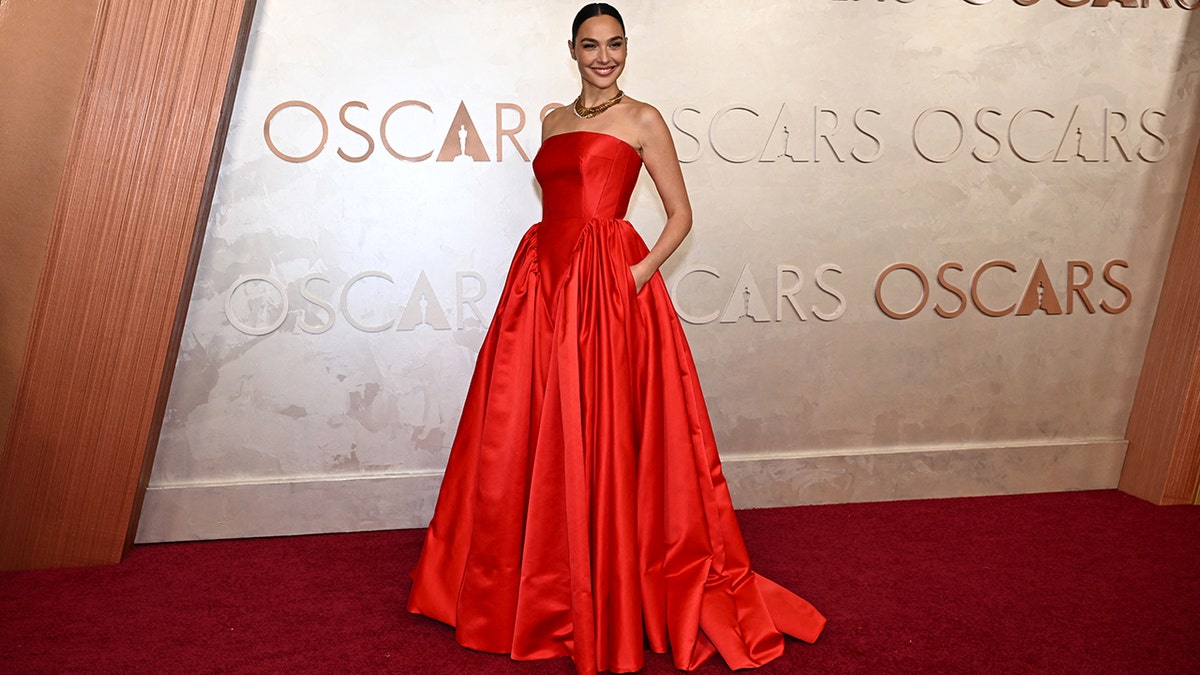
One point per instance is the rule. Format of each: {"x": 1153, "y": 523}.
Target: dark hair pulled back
{"x": 593, "y": 10}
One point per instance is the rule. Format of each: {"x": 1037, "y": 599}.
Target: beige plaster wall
{"x": 343, "y": 290}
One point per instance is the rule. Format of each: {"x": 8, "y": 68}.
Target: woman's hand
{"x": 641, "y": 275}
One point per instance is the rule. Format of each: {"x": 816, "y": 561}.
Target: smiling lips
{"x": 604, "y": 72}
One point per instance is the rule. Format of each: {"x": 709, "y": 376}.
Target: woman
{"x": 583, "y": 511}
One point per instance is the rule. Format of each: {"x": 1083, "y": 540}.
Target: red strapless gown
{"x": 583, "y": 511}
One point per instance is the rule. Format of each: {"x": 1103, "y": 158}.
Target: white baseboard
{"x": 315, "y": 504}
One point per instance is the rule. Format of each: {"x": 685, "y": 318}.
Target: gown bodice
{"x": 586, "y": 175}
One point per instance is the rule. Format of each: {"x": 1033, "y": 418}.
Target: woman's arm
{"x": 658, "y": 154}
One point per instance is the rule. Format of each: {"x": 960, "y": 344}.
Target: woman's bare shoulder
{"x": 555, "y": 122}
{"x": 646, "y": 119}
{"x": 641, "y": 111}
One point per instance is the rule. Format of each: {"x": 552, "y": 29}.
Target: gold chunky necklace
{"x": 583, "y": 112}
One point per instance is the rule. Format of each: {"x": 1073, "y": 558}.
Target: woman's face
{"x": 599, "y": 49}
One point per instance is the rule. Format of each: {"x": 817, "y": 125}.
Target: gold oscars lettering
{"x": 1039, "y": 293}
{"x": 397, "y": 129}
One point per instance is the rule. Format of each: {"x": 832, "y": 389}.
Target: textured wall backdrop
{"x": 928, "y": 244}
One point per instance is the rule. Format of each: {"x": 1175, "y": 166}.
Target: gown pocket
{"x": 630, "y": 282}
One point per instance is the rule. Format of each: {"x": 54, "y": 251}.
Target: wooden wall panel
{"x": 45, "y": 46}
{"x": 1162, "y": 463}
{"x": 112, "y": 297}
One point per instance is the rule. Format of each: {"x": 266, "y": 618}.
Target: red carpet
{"x": 1086, "y": 582}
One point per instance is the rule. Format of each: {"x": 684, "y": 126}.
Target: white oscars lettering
{"x": 960, "y": 135}
{"x": 788, "y": 293}
{"x": 746, "y": 300}
{"x": 1036, "y": 135}
{"x": 371, "y": 274}
{"x": 1155, "y": 133}
{"x": 1073, "y": 140}
{"x": 798, "y": 138}
{"x": 677, "y": 282}
{"x": 823, "y": 132}
{"x": 465, "y": 300}
{"x": 423, "y": 308}
{"x": 859, "y": 123}
{"x": 823, "y": 284}
{"x": 676, "y": 115}
{"x": 725, "y": 154}
{"x": 1129, "y": 4}
{"x": 307, "y": 294}
{"x": 1012, "y": 143}
{"x": 993, "y": 135}
{"x": 258, "y": 304}
{"x": 281, "y": 301}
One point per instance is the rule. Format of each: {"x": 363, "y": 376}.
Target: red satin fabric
{"x": 583, "y": 510}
